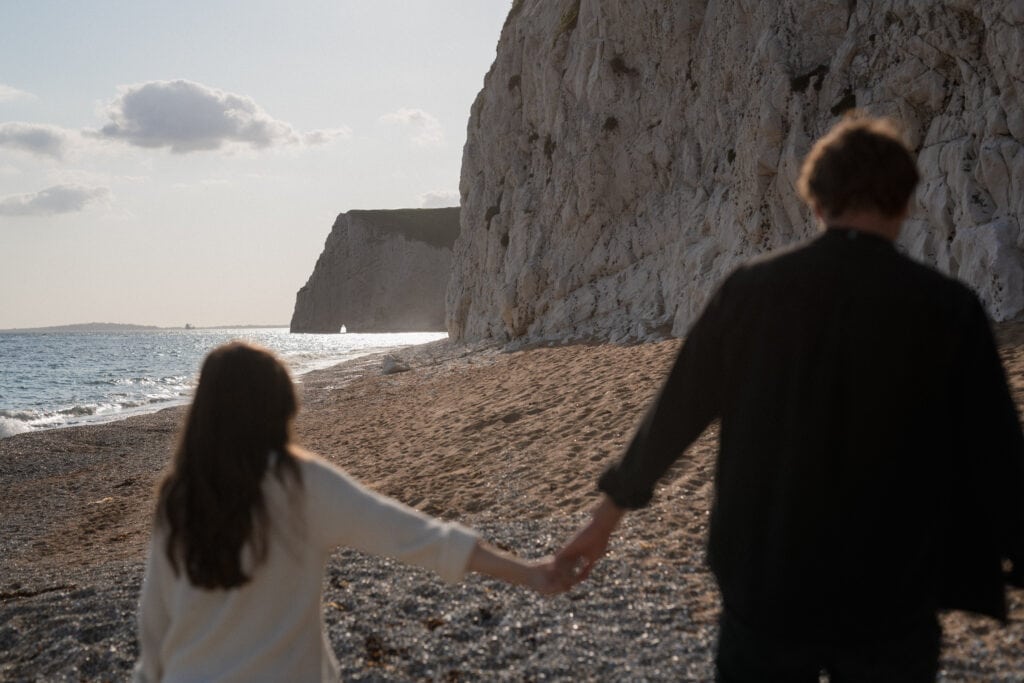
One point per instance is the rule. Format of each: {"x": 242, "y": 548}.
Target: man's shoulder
{"x": 775, "y": 264}
{"x": 804, "y": 252}
{"x": 813, "y": 254}
{"x": 925, "y": 282}
{"x": 807, "y": 275}
{"x": 931, "y": 276}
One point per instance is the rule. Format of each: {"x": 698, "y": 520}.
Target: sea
{"x": 50, "y": 380}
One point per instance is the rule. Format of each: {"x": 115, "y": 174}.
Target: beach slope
{"x": 511, "y": 443}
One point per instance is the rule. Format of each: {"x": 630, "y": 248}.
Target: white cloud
{"x": 204, "y": 184}
{"x": 52, "y": 200}
{"x": 35, "y": 138}
{"x": 185, "y": 116}
{"x": 438, "y": 199}
{"x": 322, "y": 137}
{"x": 424, "y": 128}
{"x": 9, "y": 94}
{"x": 81, "y": 176}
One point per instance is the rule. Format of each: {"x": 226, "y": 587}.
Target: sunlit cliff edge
{"x": 623, "y": 157}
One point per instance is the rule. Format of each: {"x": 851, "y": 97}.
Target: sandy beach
{"x": 510, "y": 443}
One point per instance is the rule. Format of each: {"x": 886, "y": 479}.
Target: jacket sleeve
{"x": 688, "y": 401}
{"x": 343, "y": 512}
{"x": 984, "y": 524}
{"x": 153, "y": 619}
{"x": 994, "y": 442}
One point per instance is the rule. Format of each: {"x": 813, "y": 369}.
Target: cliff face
{"x": 623, "y": 156}
{"x": 380, "y": 271}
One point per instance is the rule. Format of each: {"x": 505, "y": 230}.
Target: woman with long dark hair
{"x": 245, "y": 522}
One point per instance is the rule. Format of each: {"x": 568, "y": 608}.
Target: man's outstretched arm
{"x": 628, "y": 483}
{"x": 689, "y": 400}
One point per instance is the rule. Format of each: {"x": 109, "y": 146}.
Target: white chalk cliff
{"x": 624, "y": 155}
{"x": 380, "y": 271}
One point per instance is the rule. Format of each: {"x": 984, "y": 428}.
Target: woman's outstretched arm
{"x": 540, "y": 575}
{"x": 340, "y": 511}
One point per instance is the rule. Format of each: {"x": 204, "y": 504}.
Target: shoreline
{"x": 104, "y": 394}
{"x": 510, "y": 443}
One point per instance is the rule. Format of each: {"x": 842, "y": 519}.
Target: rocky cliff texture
{"x": 624, "y": 155}
{"x": 380, "y": 271}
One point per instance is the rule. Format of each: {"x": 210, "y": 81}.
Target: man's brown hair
{"x": 861, "y": 164}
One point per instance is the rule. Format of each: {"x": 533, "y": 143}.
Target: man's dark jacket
{"x": 871, "y": 464}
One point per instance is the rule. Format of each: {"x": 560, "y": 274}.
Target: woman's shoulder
{"x": 330, "y": 494}
{"x": 311, "y": 462}
{"x": 317, "y": 472}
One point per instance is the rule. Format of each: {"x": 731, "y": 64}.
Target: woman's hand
{"x": 543, "y": 576}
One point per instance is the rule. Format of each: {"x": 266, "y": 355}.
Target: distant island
{"x": 101, "y": 328}
{"x": 233, "y": 327}
{"x": 85, "y": 327}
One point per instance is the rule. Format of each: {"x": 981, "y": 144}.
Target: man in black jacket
{"x": 871, "y": 462}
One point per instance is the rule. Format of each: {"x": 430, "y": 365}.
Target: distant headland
{"x": 380, "y": 271}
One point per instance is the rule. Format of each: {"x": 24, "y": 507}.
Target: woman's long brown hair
{"x": 212, "y": 500}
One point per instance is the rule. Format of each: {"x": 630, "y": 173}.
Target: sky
{"x": 164, "y": 163}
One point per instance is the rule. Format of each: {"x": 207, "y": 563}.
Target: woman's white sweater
{"x": 271, "y": 628}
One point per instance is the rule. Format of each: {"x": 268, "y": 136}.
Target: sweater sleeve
{"x": 340, "y": 511}
{"x": 153, "y": 619}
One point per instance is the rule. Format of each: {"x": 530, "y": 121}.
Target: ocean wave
{"x": 172, "y": 380}
{"x": 17, "y": 422}
{"x": 118, "y": 381}
{"x": 89, "y": 379}
{"x": 20, "y": 415}
{"x": 78, "y": 411}
{"x": 99, "y": 409}
{"x": 10, "y": 427}
{"x": 141, "y": 381}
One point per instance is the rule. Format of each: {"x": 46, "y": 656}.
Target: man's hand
{"x": 581, "y": 553}
{"x": 547, "y": 578}
{"x": 1013, "y": 572}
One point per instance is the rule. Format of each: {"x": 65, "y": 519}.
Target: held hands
{"x": 546, "y": 577}
{"x": 553, "y": 575}
{"x": 577, "y": 559}
{"x": 543, "y": 576}
{"x": 573, "y": 563}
